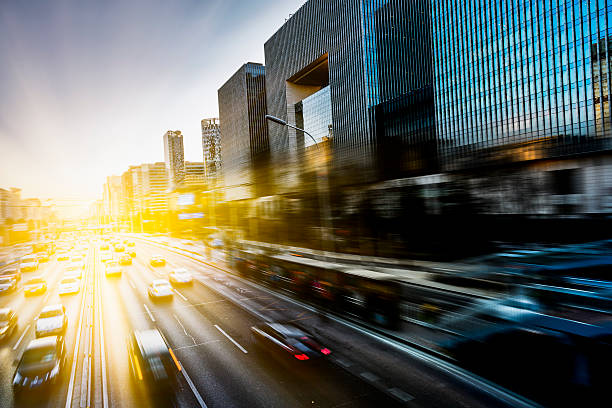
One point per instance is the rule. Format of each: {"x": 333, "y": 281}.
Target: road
{"x": 207, "y": 326}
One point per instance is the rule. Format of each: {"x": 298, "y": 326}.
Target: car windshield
{"x": 35, "y": 281}
{"x": 38, "y": 355}
{"x": 66, "y": 281}
{"x": 161, "y": 284}
{"x": 111, "y": 263}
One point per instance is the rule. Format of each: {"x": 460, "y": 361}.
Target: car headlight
{"x": 17, "y": 379}
{"x": 3, "y": 330}
{"x": 55, "y": 371}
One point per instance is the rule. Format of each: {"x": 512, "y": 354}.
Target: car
{"x": 52, "y": 321}
{"x": 130, "y": 243}
{"x": 104, "y": 247}
{"x": 8, "y": 284}
{"x": 131, "y": 252}
{"x": 105, "y": 256}
{"x": 34, "y": 286}
{"x": 28, "y": 263}
{"x": 78, "y": 261}
{"x": 8, "y": 323}
{"x": 113, "y": 269}
{"x": 287, "y": 339}
{"x": 152, "y": 364}
{"x": 40, "y": 366}
{"x": 12, "y": 272}
{"x": 180, "y": 276}
{"x": 160, "y": 289}
{"x": 69, "y": 285}
{"x": 42, "y": 257}
{"x": 125, "y": 259}
{"x": 119, "y": 248}
{"x": 73, "y": 269}
{"x": 63, "y": 256}
{"x": 157, "y": 260}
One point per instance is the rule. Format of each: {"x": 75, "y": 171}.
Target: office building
{"x": 521, "y": 81}
{"x": 211, "y": 147}
{"x": 174, "y": 157}
{"x": 360, "y": 78}
{"x": 194, "y": 174}
{"x": 154, "y": 187}
{"x": 244, "y": 134}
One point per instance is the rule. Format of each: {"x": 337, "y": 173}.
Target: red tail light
{"x": 326, "y": 351}
{"x": 301, "y": 357}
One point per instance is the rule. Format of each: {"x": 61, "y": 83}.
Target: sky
{"x": 89, "y": 87}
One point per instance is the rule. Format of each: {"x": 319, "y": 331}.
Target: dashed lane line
{"x": 232, "y": 340}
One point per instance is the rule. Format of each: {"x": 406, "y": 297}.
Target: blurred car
{"x": 125, "y": 259}
{"x": 28, "y": 263}
{"x": 289, "y": 340}
{"x": 8, "y": 284}
{"x": 158, "y": 260}
{"x": 8, "y": 323}
{"x": 160, "y": 289}
{"x": 12, "y": 272}
{"x": 34, "y": 286}
{"x": 151, "y": 361}
{"x": 131, "y": 252}
{"x": 40, "y": 365}
{"x": 42, "y": 257}
{"x": 180, "y": 276}
{"x": 130, "y": 243}
{"x": 104, "y": 247}
{"x": 78, "y": 261}
{"x": 113, "y": 269}
{"x": 69, "y": 285}
{"x": 105, "y": 256}
{"x": 119, "y": 248}
{"x": 63, "y": 256}
{"x": 51, "y": 321}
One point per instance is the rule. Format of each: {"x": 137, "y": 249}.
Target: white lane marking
{"x": 181, "y": 295}
{"x": 193, "y": 388}
{"x": 232, "y": 340}
{"x": 369, "y": 376}
{"x": 184, "y": 331}
{"x": 102, "y": 350}
{"x": 21, "y": 338}
{"x": 197, "y": 344}
{"x": 76, "y": 347}
{"x": 149, "y": 312}
{"x": 131, "y": 284}
{"x": 403, "y": 396}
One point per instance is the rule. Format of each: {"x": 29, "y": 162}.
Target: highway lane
{"x": 27, "y": 309}
{"x": 409, "y": 375}
{"x": 211, "y": 339}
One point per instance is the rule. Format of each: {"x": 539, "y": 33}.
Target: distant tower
{"x": 174, "y": 158}
{"x": 211, "y": 147}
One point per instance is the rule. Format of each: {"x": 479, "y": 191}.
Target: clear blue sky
{"x": 89, "y": 87}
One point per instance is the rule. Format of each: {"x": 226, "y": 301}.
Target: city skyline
{"x": 75, "y": 95}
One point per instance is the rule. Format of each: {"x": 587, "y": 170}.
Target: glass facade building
{"x": 519, "y": 72}
{"x": 314, "y": 115}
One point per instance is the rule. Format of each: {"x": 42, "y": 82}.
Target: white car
{"x": 52, "y": 321}
{"x": 180, "y": 276}
{"x": 28, "y": 263}
{"x": 160, "y": 289}
{"x": 106, "y": 256}
{"x": 113, "y": 269}
{"x": 69, "y": 286}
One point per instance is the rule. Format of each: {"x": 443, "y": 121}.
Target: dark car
{"x": 288, "y": 340}
{"x": 34, "y": 286}
{"x": 151, "y": 361}
{"x": 125, "y": 259}
{"x": 157, "y": 260}
{"x": 41, "y": 365}
{"x": 8, "y": 323}
{"x": 8, "y": 284}
{"x": 12, "y": 272}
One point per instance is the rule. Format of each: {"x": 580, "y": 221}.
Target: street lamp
{"x": 284, "y": 123}
{"x": 324, "y": 203}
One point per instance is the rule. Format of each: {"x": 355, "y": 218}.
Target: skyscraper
{"x": 194, "y": 174}
{"x": 174, "y": 157}
{"x": 521, "y": 73}
{"x": 211, "y": 147}
{"x": 244, "y": 134}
